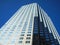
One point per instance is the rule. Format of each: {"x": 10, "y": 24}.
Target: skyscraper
{"x": 30, "y": 25}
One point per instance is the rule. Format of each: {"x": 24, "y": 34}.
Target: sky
{"x": 51, "y": 7}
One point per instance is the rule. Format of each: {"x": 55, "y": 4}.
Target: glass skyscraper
{"x": 30, "y": 25}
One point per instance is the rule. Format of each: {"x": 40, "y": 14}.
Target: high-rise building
{"x": 30, "y": 25}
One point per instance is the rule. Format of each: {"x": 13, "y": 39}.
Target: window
{"x": 27, "y": 41}
{"x": 21, "y": 37}
{"x": 22, "y": 34}
{"x": 19, "y": 25}
{"x": 23, "y": 30}
{"x": 47, "y": 39}
{"x": 53, "y": 44}
{"x": 30, "y": 26}
{"x": 46, "y": 36}
{"x": 9, "y": 34}
{"x": 13, "y": 41}
{"x": 12, "y": 30}
{"x": 45, "y": 30}
{"x": 28, "y": 34}
{"x": 20, "y": 41}
{"x": 41, "y": 30}
{"x": 6, "y": 30}
{"x": 52, "y": 40}
{"x": 41, "y": 34}
{"x": 28, "y": 38}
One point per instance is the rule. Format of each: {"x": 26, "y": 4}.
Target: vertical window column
{"x": 35, "y": 32}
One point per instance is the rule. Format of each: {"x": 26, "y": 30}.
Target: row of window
{"x": 25, "y": 42}
{"x": 21, "y": 38}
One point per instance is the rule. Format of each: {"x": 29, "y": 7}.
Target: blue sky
{"x": 51, "y": 7}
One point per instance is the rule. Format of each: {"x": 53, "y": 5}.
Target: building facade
{"x": 30, "y": 25}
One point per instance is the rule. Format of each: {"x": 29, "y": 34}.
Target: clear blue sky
{"x": 51, "y": 7}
